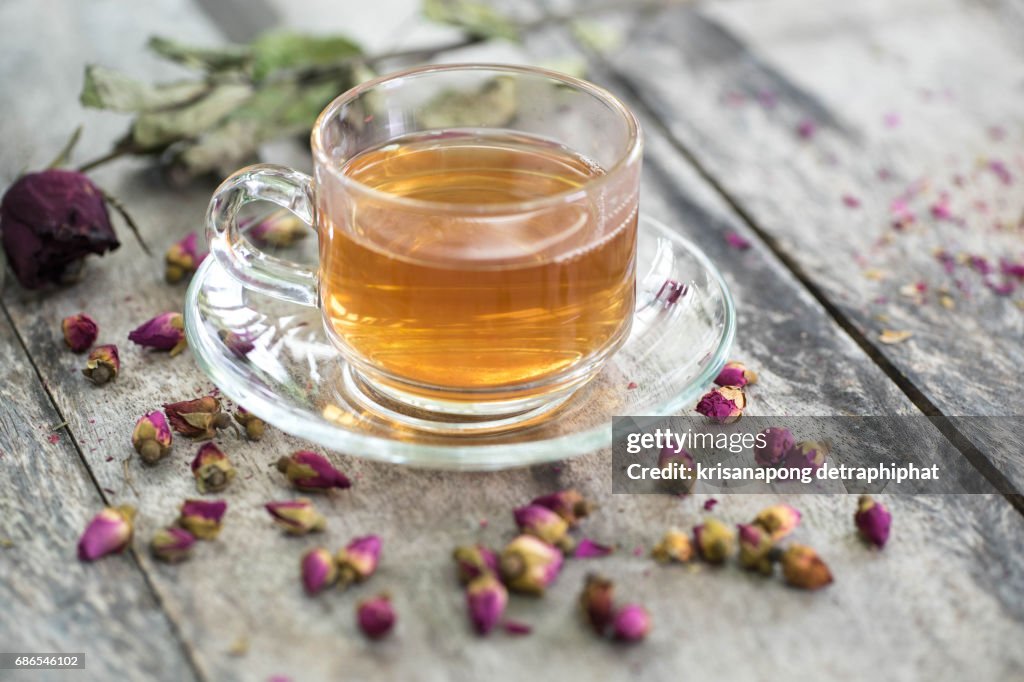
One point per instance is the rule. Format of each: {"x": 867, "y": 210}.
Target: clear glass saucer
{"x": 294, "y": 379}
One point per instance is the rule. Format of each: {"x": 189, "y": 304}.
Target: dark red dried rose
{"x": 49, "y": 222}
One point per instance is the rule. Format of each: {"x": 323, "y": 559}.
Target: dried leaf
{"x": 203, "y": 58}
{"x": 109, "y": 89}
{"x": 493, "y": 104}
{"x": 475, "y": 18}
{"x": 596, "y": 36}
{"x": 892, "y": 337}
{"x": 285, "y": 50}
{"x": 156, "y": 129}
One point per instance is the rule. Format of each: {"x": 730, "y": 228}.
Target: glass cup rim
{"x": 630, "y": 156}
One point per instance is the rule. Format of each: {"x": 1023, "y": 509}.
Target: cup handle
{"x": 255, "y": 269}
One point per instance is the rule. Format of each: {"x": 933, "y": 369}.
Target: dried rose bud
{"x": 164, "y": 332}
{"x": 311, "y": 472}
{"x": 756, "y": 546}
{"x": 103, "y": 365}
{"x": 529, "y": 565}
{"x": 736, "y": 374}
{"x": 198, "y": 419}
{"x": 152, "y": 437}
{"x": 358, "y": 561}
{"x": 212, "y": 469}
{"x": 596, "y": 602}
{"x": 714, "y": 540}
{"x": 777, "y": 444}
{"x": 296, "y": 517}
{"x": 545, "y": 524}
{"x": 473, "y": 561}
{"x": 779, "y": 520}
{"x": 253, "y": 425}
{"x": 873, "y": 521}
{"x": 807, "y": 454}
{"x": 668, "y": 461}
{"x": 49, "y": 222}
{"x": 80, "y": 331}
{"x": 591, "y": 549}
{"x": 108, "y": 532}
{"x": 569, "y": 504}
{"x": 239, "y": 344}
{"x": 723, "y": 405}
{"x": 376, "y": 616}
{"x": 632, "y": 622}
{"x": 182, "y": 259}
{"x": 280, "y": 229}
{"x": 202, "y": 518}
{"x": 318, "y": 570}
{"x": 802, "y": 567}
{"x": 172, "y": 544}
{"x": 674, "y": 546}
{"x": 486, "y": 599}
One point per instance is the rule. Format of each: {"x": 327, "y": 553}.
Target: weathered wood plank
{"x": 909, "y": 100}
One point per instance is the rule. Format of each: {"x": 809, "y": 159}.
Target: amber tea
{"x": 441, "y": 274}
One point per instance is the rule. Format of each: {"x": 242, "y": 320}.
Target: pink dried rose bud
{"x": 164, "y": 332}
{"x": 182, "y": 259}
{"x": 807, "y": 454}
{"x": 631, "y": 623}
{"x": 296, "y": 517}
{"x": 591, "y": 549}
{"x": 473, "y": 561}
{"x": 682, "y": 461}
{"x": 545, "y": 524}
{"x": 202, "y": 518}
{"x": 240, "y": 345}
{"x": 49, "y": 222}
{"x": 253, "y": 425}
{"x": 152, "y": 437}
{"x": 597, "y": 602}
{"x": 528, "y": 564}
{"x": 311, "y": 472}
{"x": 486, "y": 599}
{"x": 777, "y": 444}
{"x": 103, "y": 365}
{"x": 674, "y": 546}
{"x": 198, "y": 419}
{"x": 358, "y": 561}
{"x": 715, "y": 541}
{"x": 803, "y": 568}
{"x": 280, "y": 229}
{"x": 778, "y": 520}
{"x": 723, "y": 405}
{"x": 756, "y": 547}
{"x": 108, "y": 532}
{"x": 736, "y": 374}
{"x": 569, "y": 504}
{"x": 172, "y": 544}
{"x": 376, "y": 616}
{"x": 319, "y": 571}
{"x": 80, "y": 331}
{"x": 212, "y": 469}
{"x": 873, "y": 520}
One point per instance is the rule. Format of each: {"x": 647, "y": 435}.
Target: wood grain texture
{"x": 943, "y": 600}
{"x": 910, "y": 101}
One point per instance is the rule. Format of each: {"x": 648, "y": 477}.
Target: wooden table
{"x": 919, "y": 90}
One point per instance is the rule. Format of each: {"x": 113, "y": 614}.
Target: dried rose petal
{"x": 318, "y": 569}
{"x": 590, "y": 549}
{"x": 152, "y": 437}
{"x": 239, "y": 344}
{"x": 1011, "y": 269}
{"x": 182, "y": 259}
{"x": 296, "y": 517}
{"x": 723, "y": 405}
{"x": 631, "y": 623}
{"x": 358, "y": 561}
{"x": 80, "y": 331}
{"x": 803, "y": 568}
{"x": 736, "y": 374}
{"x": 777, "y": 444}
{"x": 202, "y": 518}
{"x": 851, "y": 201}
{"x": 806, "y": 129}
{"x": 737, "y": 241}
{"x": 807, "y": 454}
{"x": 49, "y": 222}
{"x": 569, "y": 504}
{"x": 108, "y": 532}
{"x": 253, "y": 425}
{"x": 280, "y": 229}
{"x": 674, "y": 546}
{"x": 545, "y": 524}
{"x": 472, "y": 561}
{"x": 164, "y": 332}
{"x": 778, "y": 520}
{"x": 596, "y": 602}
{"x": 1001, "y": 172}
{"x": 873, "y": 520}
{"x": 529, "y": 565}
{"x": 311, "y": 472}
{"x": 941, "y": 210}
{"x": 103, "y": 365}
{"x": 376, "y": 616}
{"x": 212, "y": 469}
{"x": 756, "y": 546}
{"x": 172, "y": 544}
{"x": 514, "y": 627}
{"x": 198, "y": 419}
{"x": 715, "y": 541}
{"x": 486, "y": 599}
